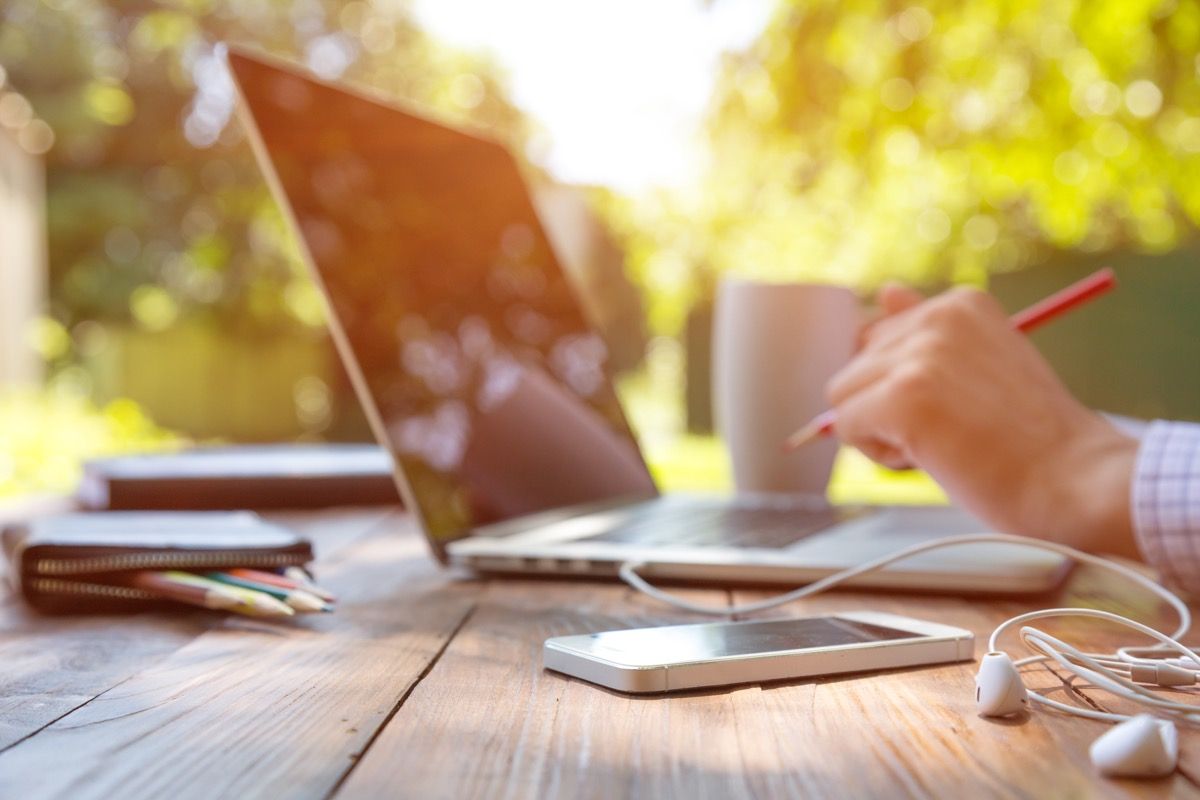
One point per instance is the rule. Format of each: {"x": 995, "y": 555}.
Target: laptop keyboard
{"x": 722, "y": 526}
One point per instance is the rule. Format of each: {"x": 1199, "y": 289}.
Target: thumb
{"x": 895, "y": 298}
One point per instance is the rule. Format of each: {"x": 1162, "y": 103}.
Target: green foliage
{"x": 157, "y": 210}
{"x": 45, "y": 436}
{"x": 667, "y": 251}
{"x": 858, "y": 141}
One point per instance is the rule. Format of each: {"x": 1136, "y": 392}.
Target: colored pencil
{"x": 260, "y": 603}
{"x": 298, "y": 599}
{"x": 1064, "y": 300}
{"x": 301, "y": 576}
{"x": 1024, "y": 321}
{"x": 282, "y": 581}
{"x": 168, "y": 587}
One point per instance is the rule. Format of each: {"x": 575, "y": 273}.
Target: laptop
{"x": 479, "y": 373}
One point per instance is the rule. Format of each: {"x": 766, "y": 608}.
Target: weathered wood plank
{"x": 333, "y": 530}
{"x": 53, "y": 665}
{"x": 488, "y": 722}
{"x": 251, "y": 708}
{"x": 49, "y": 667}
{"x": 920, "y": 725}
{"x": 238, "y": 708}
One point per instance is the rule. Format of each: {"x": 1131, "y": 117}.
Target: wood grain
{"x": 488, "y": 722}
{"x": 193, "y": 689}
{"x": 53, "y": 665}
{"x": 425, "y": 684}
{"x": 50, "y": 667}
{"x": 921, "y": 726}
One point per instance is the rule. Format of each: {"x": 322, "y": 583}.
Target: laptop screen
{"x": 467, "y": 346}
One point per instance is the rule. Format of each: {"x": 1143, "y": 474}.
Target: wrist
{"x": 1096, "y": 474}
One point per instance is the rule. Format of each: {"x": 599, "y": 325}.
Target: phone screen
{"x": 685, "y": 643}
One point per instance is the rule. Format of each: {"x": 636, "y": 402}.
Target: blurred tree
{"x": 157, "y": 211}
{"x": 858, "y": 141}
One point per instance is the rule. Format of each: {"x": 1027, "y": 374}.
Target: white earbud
{"x": 1137, "y": 747}
{"x": 999, "y": 691}
{"x": 1140, "y": 747}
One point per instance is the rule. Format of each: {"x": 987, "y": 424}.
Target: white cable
{"x": 1060, "y": 651}
{"x": 628, "y": 573}
{"x": 1152, "y": 655}
{"x": 1101, "y": 669}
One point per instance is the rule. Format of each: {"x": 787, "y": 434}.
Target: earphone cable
{"x": 629, "y": 573}
{"x": 1090, "y": 666}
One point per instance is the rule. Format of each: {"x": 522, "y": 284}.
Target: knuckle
{"x": 932, "y": 345}
{"x": 835, "y": 389}
{"x": 976, "y": 300}
{"x": 911, "y": 382}
{"x": 959, "y": 306}
{"x": 917, "y": 393}
{"x": 945, "y": 310}
{"x": 877, "y": 331}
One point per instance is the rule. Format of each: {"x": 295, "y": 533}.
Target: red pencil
{"x": 1064, "y": 300}
{"x": 1024, "y": 321}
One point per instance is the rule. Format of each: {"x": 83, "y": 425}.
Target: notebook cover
{"x": 257, "y": 477}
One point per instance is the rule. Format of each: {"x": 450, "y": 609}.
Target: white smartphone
{"x": 667, "y": 659}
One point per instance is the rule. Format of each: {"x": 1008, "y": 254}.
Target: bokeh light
{"x": 830, "y": 140}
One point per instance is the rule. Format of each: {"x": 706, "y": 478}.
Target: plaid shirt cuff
{"x": 1166, "y": 502}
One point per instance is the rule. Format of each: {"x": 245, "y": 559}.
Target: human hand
{"x": 947, "y": 385}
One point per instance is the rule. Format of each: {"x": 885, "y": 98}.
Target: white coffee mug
{"x": 774, "y": 347}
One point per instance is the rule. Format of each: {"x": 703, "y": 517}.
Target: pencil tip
{"x": 269, "y": 606}
{"x": 305, "y": 602}
{"x": 801, "y": 437}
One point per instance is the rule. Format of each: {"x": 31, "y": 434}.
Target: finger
{"x": 887, "y": 348}
{"x": 862, "y": 371}
{"x": 892, "y": 327}
{"x": 913, "y": 313}
{"x": 884, "y": 455}
{"x": 895, "y": 298}
{"x": 896, "y": 461}
{"x": 890, "y": 300}
{"x": 872, "y": 319}
{"x": 872, "y": 421}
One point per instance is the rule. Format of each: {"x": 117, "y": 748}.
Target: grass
{"x": 700, "y": 464}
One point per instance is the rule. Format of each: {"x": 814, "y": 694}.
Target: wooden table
{"x": 428, "y": 683}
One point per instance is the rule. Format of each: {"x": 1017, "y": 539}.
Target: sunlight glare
{"x": 620, "y": 87}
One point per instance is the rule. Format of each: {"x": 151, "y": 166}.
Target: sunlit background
{"x": 670, "y": 143}
{"x": 619, "y": 89}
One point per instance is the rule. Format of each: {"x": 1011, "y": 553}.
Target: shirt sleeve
{"x": 1166, "y": 502}
{"x": 1133, "y": 428}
